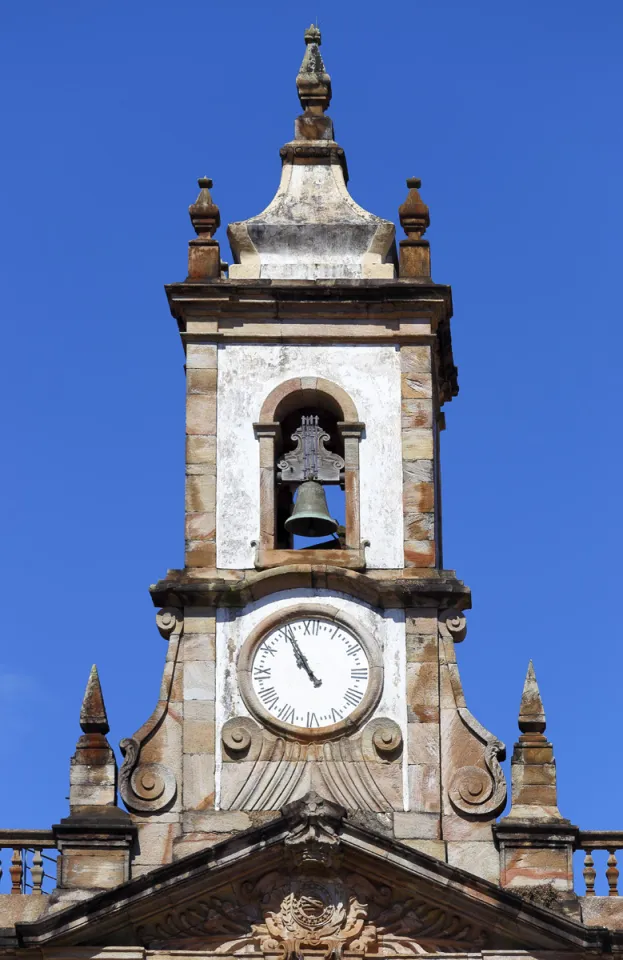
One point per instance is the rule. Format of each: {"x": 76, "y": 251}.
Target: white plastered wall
{"x": 371, "y": 376}
{"x": 234, "y": 626}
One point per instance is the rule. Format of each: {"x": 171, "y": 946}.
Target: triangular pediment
{"x": 311, "y": 882}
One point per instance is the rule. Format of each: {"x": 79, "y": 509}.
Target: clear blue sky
{"x": 510, "y": 114}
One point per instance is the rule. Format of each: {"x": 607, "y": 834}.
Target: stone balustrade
{"x": 591, "y": 840}
{"x": 28, "y": 865}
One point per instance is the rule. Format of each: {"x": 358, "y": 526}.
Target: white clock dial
{"x": 310, "y": 672}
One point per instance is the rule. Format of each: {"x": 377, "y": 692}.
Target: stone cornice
{"x": 331, "y": 311}
{"x": 379, "y": 588}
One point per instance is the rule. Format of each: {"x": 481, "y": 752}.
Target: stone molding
{"x": 380, "y": 588}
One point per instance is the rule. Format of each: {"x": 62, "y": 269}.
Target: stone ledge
{"x": 384, "y": 589}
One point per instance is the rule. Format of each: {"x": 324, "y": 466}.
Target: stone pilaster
{"x": 201, "y": 375}
{"x": 418, "y": 452}
{"x": 421, "y": 826}
{"x": 536, "y": 842}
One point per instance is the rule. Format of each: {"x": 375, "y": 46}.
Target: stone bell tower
{"x": 311, "y": 782}
{"x": 323, "y": 356}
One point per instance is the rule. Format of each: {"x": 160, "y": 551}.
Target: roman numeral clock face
{"x": 311, "y": 674}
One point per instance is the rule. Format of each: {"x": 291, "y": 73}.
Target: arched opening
{"x": 309, "y": 473}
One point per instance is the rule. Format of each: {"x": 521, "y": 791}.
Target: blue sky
{"x": 510, "y": 114}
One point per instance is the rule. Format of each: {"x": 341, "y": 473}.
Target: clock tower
{"x": 307, "y": 652}
{"x": 311, "y": 782}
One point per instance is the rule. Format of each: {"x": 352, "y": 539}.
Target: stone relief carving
{"x": 478, "y": 787}
{"x": 263, "y": 771}
{"x": 273, "y": 915}
{"x": 308, "y": 901}
{"x": 149, "y": 787}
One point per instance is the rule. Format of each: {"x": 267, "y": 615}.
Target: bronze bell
{"x": 310, "y": 516}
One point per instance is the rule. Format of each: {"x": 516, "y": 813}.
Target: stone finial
{"x": 415, "y": 218}
{"x": 531, "y": 712}
{"x": 313, "y": 82}
{"x": 93, "y": 717}
{"x": 204, "y": 255}
{"x": 414, "y": 215}
{"x": 205, "y": 216}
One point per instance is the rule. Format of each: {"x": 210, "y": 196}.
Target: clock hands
{"x": 301, "y": 660}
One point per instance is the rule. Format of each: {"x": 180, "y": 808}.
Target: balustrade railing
{"x": 28, "y": 864}
{"x": 610, "y": 840}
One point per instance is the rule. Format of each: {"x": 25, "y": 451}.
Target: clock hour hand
{"x": 301, "y": 662}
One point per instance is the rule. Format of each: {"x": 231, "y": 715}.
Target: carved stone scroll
{"x": 149, "y": 787}
{"x": 480, "y": 791}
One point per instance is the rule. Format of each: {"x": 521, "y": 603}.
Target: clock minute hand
{"x": 301, "y": 662}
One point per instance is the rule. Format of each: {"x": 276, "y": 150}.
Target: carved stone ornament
{"x": 310, "y": 460}
{"x": 262, "y": 771}
{"x": 276, "y": 914}
{"x": 150, "y": 787}
{"x": 454, "y": 624}
{"x": 313, "y": 844}
{"x": 478, "y": 791}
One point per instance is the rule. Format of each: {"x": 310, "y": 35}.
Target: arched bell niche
{"x": 280, "y": 418}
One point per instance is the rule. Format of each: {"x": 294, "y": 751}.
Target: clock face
{"x": 310, "y": 673}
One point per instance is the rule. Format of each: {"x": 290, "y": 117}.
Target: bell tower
{"x": 308, "y": 653}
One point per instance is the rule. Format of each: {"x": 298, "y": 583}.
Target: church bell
{"x": 310, "y": 516}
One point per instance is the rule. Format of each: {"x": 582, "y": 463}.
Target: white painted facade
{"x": 371, "y": 376}
{"x": 234, "y": 626}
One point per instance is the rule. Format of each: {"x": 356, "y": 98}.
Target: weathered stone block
{"x": 201, "y": 449}
{"x": 198, "y": 781}
{"x": 476, "y": 857}
{"x": 201, "y": 381}
{"x": 423, "y": 826}
{"x": 201, "y": 355}
{"x": 200, "y": 553}
{"x": 216, "y": 821}
{"x": 434, "y": 848}
{"x": 416, "y": 444}
{"x": 199, "y": 681}
{"x": 421, "y": 649}
{"x": 198, "y": 736}
{"x": 417, "y": 471}
{"x": 200, "y": 526}
{"x": 201, "y": 413}
{"x": 419, "y": 526}
{"x": 415, "y": 360}
{"x": 423, "y": 683}
{"x": 201, "y": 494}
{"x": 418, "y": 497}
{"x": 417, "y": 413}
{"x": 417, "y": 385}
{"x": 199, "y": 620}
{"x": 198, "y": 646}
{"x": 155, "y": 843}
{"x": 424, "y": 788}
{"x": 419, "y": 553}
{"x": 423, "y": 743}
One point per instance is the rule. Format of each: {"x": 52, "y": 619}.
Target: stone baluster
{"x": 36, "y": 872}
{"x": 589, "y": 873}
{"x": 17, "y": 870}
{"x": 612, "y": 874}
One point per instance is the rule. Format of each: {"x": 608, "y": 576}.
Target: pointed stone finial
{"x": 204, "y": 214}
{"x": 415, "y": 218}
{"x": 313, "y": 82}
{"x": 531, "y": 712}
{"x": 414, "y": 215}
{"x": 93, "y": 717}
{"x": 204, "y": 253}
